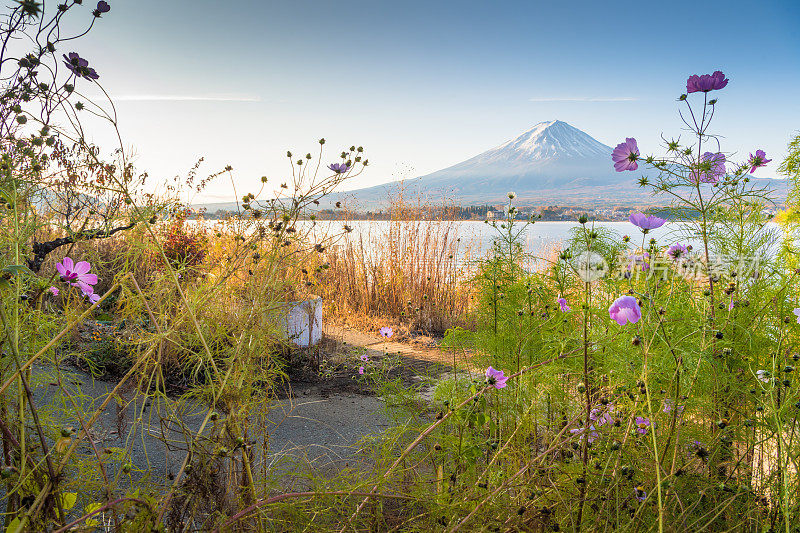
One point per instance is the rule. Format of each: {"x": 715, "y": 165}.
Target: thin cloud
{"x": 184, "y": 98}
{"x": 584, "y": 99}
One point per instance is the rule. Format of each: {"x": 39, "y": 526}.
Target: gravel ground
{"x": 313, "y": 425}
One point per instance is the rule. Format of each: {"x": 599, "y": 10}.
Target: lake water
{"x": 539, "y": 238}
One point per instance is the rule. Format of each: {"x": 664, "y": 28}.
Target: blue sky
{"x": 423, "y": 85}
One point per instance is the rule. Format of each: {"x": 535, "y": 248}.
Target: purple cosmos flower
{"x": 669, "y": 404}
{"x": 625, "y": 155}
{"x": 87, "y": 291}
{"x": 640, "y": 494}
{"x": 642, "y": 424}
{"x": 79, "y": 66}
{"x": 730, "y": 305}
{"x": 364, "y": 357}
{"x": 53, "y": 290}
{"x": 639, "y": 260}
{"x": 677, "y": 251}
{"x": 712, "y": 168}
{"x": 646, "y": 222}
{"x": 758, "y": 160}
{"x": 339, "y": 168}
{"x": 625, "y": 309}
{"x": 76, "y": 274}
{"x": 386, "y": 332}
{"x": 102, "y": 7}
{"x": 361, "y": 370}
{"x": 563, "y": 304}
{"x": 797, "y": 312}
{"x": 496, "y": 378}
{"x": 706, "y": 82}
{"x": 602, "y": 415}
{"x": 581, "y": 431}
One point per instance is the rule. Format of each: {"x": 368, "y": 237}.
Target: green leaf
{"x": 68, "y": 500}
{"x": 90, "y": 508}
{"x": 13, "y": 527}
{"x": 8, "y": 272}
{"x": 15, "y": 270}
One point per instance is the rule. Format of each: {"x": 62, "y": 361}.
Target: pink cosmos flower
{"x": 339, "y": 168}
{"x": 730, "y": 305}
{"x": 102, "y": 7}
{"x": 636, "y": 259}
{"x": 713, "y": 168}
{"x": 361, "y": 370}
{"x": 646, "y": 222}
{"x": 758, "y": 160}
{"x": 88, "y": 291}
{"x": 76, "y": 273}
{"x": 581, "y": 431}
{"x": 677, "y": 251}
{"x": 53, "y": 290}
{"x": 706, "y": 82}
{"x": 79, "y": 66}
{"x": 364, "y": 357}
{"x": 602, "y": 415}
{"x": 625, "y": 309}
{"x": 642, "y": 424}
{"x": 625, "y": 155}
{"x": 496, "y": 378}
{"x": 386, "y": 332}
{"x": 669, "y": 404}
{"x": 563, "y": 304}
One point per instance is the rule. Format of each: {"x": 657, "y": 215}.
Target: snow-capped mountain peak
{"x": 547, "y": 140}
{"x": 552, "y": 163}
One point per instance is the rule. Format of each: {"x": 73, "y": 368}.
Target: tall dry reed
{"x": 410, "y": 270}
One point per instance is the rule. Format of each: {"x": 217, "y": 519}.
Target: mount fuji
{"x": 552, "y": 163}
{"x": 552, "y": 154}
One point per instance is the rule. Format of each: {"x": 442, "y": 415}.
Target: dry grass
{"x": 410, "y": 273}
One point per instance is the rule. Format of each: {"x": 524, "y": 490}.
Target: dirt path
{"x": 411, "y": 354}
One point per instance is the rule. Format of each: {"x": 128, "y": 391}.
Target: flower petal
{"x": 82, "y": 267}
